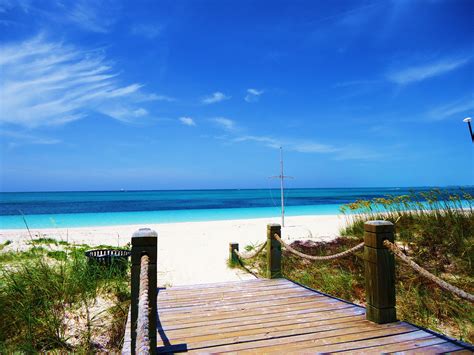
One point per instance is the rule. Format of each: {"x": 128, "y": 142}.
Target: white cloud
{"x": 426, "y": 71}
{"x": 215, "y": 97}
{"x": 20, "y": 138}
{"x": 225, "y": 123}
{"x": 47, "y": 83}
{"x": 460, "y": 107}
{"x": 296, "y": 145}
{"x": 253, "y": 95}
{"x": 90, "y": 15}
{"x": 187, "y": 121}
{"x": 149, "y": 31}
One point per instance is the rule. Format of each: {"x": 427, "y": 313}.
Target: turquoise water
{"x": 83, "y": 209}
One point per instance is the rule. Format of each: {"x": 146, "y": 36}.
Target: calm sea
{"x": 80, "y": 209}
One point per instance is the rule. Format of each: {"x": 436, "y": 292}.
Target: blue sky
{"x": 200, "y": 94}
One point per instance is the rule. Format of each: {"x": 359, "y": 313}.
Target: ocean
{"x": 103, "y": 208}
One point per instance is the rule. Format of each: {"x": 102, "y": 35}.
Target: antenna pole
{"x": 282, "y": 176}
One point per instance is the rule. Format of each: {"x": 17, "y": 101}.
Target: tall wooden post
{"x": 273, "y": 252}
{"x": 233, "y": 258}
{"x": 144, "y": 241}
{"x": 379, "y": 272}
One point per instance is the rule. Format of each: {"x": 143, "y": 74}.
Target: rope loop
{"x": 441, "y": 283}
{"x": 251, "y": 255}
{"x": 319, "y": 258}
{"x": 143, "y": 340}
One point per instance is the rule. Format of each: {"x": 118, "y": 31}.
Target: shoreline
{"x": 188, "y": 252}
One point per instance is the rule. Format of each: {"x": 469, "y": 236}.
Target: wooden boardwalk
{"x": 261, "y": 316}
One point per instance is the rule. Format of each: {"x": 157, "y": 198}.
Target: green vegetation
{"x": 435, "y": 230}
{"x": 55, "y": 299}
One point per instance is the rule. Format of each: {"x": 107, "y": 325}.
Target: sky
{"x": 108, "y": 95}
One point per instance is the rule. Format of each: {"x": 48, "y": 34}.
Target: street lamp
{"x": 468, "y": 121}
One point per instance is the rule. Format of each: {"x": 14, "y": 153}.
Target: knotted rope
{"x": 251, "y": 255}
{"x": 142, "y": 345}
{"x": 441, "y": 283}
{"x": 319, "y": 258}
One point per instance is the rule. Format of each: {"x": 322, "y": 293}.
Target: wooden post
{"x": 379, "y": 265}
{"x": 273, "y": 252}
{"x": 144, "y": 241}
{"x": 233, "y": 258}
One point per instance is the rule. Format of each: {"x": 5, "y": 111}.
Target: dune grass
{"x": 46, "y": 294}
{"x": 436, "y": 230}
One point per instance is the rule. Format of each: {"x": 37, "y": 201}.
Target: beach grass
{"x": 434, "y": 229}
{"x": 49, "y": 300}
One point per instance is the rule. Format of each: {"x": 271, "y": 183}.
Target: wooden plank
{"x": 227, "y": 295}
{"x": 358, "y": 346}
{"x": 315, "y": 337}
{"x": 267, "y": 322}
{"x": 229, "y": 284}
{"x": 262, "y": 317}
{"x": 249, "y": 309}
{"x": 254, "y": 286}
{"x": 402, "y": 346}
{"x": 438, "y": 348}
{"x": 217, "y": 284}
{"x": 262, "y": 332}
{"x": 237, "y": 301}
{"x": 181, "y": 312}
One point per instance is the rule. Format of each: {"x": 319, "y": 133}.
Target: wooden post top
{"x": 144, "y": 237}
{"x": 379, "y": 226}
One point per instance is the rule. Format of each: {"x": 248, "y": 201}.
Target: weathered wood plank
{"x": 164, "y": 302}
{"x": 262, "y": 332}
{"x": 250, "y": 309}
{"x": 262, "y": 317}
{"x": 357, "y": 346}
{"x": 311, "y": 338}
{"x": 236, "y": 302}
{"x": 236, "y": 286}
{"x": 264, "y": 321}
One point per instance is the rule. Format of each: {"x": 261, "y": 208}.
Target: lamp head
{"x": 467, "y": 119}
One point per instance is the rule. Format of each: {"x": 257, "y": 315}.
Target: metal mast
{"x": 282, "y": 187}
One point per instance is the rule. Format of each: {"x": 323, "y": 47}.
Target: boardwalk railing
{"x": 379, "y": 264}
{"x": 143, "y": 308}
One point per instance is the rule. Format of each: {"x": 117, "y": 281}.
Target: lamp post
{"x": 468, "y": 121}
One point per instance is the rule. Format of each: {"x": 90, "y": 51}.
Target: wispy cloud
{"x": 225, "y": 123}
{"x": 460, "y": 107}
{"x": 215, "y": 97}
{"x": 95, "y": 16}
{"x": 421, "y": 72}
{"x": 20, "y": 138}
{"x": 253, "y": 95}
{"x": 296, "y": 145}
{"x": 47, "y": 83}
{"x": 187, "y": 121}
{"x": 88, "y": 15}
{"x": 149, "y": 31}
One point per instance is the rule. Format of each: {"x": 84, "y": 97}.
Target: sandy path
{"x": 193, "y": 252}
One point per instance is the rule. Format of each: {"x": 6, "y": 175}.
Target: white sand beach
{"x": 192, "y": 252}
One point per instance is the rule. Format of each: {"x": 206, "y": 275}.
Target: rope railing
{"x": 143, "y": 289}
{"x": 246, "y": 256}
{"x": 142, "y": 345}
{"x": 315, "y": 257}
{"x": 441, "y": 283}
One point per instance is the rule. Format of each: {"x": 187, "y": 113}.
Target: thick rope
{"x": 142, "y": 345}
{"x": 252, "y": 255}
{"x": 319, "y": 258}
{"x": 443, "y": 284}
